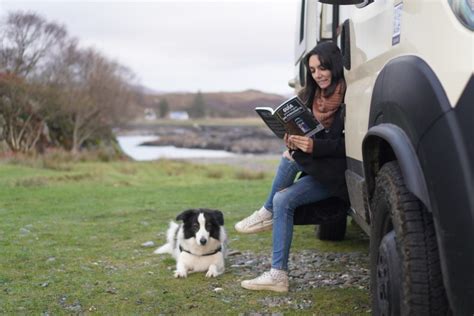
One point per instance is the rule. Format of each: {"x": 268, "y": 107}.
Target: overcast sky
{"x": 180, "y": 45}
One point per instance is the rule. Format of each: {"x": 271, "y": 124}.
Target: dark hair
{"x": 330, "y": 58}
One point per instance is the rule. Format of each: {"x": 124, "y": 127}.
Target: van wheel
{"x": 405, "y": 270}
{"x": 388, "y": 276}
{"x": 332, "y": 231}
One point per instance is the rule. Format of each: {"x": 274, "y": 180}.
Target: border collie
{"x": 198, "y": 244}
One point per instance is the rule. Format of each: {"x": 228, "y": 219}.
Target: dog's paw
{"x": 180, "y": 274}
{"x": 212, "y": 272}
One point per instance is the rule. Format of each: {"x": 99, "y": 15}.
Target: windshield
{"x": 464, "y": 10}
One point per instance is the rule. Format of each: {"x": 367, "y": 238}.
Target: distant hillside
{"x": 218, "y": 104}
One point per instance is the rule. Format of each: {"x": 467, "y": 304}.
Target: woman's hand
{"x": 288, "y": 143}
{"x": 305, "y": 144}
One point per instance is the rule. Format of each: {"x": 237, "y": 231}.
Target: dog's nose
{"x": 203, "y": 241}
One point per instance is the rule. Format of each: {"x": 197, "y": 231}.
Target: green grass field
{"x": 70, "y": 241}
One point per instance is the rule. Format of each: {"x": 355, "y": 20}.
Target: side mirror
{"x": 341, "y": 2}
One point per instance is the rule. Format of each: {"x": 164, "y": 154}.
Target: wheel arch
{"x": 407, "y": 99}
{"x": 387, "y": 142}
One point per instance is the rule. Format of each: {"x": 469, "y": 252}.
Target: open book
{"x": 291, "y": 117}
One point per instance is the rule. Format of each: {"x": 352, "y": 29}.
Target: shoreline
{"x": 232, "y": 138}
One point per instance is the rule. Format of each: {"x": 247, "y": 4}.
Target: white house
{"x": 150, "y": 114}
{"x": 179, "y": 115}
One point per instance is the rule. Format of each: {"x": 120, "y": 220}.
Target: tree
{"x": 48, "y": 83}
{"x": 198, "y": 107}
{"x": 163, "y": 108}
{"x": 27, "y": 40}
{"x": 21, "y": 113}
{"x": 95, "y": 93}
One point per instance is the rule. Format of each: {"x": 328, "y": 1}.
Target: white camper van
{"x": 409, "y": 142}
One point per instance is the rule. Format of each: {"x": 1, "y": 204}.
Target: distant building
{"x": 150, "y": 114}
{"x": 179, "y": 115}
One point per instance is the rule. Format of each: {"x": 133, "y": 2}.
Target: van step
{"x": 327, "y": 211}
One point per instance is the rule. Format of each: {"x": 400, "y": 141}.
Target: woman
{"x": 321, "y": 159}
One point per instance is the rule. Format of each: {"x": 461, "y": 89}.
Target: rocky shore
{"x": 235, "y": 139}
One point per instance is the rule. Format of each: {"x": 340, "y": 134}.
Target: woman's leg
{"x": 261, "y": 220}
{"x": 304, "y": 191}
{"x": 284, "y": 177}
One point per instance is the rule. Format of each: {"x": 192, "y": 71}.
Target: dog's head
{"x": 201, "y": 224}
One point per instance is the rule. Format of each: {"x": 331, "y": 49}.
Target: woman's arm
{"x": 320, "y": 147}
{"x": 332, "y": 147}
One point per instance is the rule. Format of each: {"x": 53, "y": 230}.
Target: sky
{"x": 185, "y": 45}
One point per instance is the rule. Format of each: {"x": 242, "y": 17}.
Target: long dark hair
{"x": 330, "y": 58}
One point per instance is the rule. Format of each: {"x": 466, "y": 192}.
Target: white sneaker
{"x": 255, "y": 223}
{"x": 267, "y": 282}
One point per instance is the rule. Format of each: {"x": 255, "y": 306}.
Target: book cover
{"x": 291, "y": 117}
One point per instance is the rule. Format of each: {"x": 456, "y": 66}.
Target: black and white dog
{"x": 198, "y": 244}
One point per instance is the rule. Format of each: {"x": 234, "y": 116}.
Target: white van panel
{"x": 371, "y": 49}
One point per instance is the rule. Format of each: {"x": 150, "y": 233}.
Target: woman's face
{"x": 321, "y": 75}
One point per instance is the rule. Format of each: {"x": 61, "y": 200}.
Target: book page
{"x": 297, "y": 118}
{"x": 272, "y": 122}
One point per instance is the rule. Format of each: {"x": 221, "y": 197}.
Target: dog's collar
{"x": 181, "y": 249}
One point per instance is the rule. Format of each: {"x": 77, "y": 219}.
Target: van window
{"x": 326, "y": 22}
{"x": 303, "y": 12}
{"x": 300, "y": 29}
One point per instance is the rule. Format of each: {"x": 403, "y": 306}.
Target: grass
{"x": 70, "y": 241}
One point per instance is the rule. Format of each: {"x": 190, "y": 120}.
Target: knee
{"x": 280, "y": 201}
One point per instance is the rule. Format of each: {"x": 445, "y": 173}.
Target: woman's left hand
{"x": 305, "y": 144}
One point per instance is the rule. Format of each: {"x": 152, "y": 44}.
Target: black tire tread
{"x": 422, "y": 286}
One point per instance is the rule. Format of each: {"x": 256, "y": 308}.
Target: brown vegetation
{"x": 53, "y": 93}
{"x": 218, "y": 104}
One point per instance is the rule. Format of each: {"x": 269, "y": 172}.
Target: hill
{"x": 217, "y": 104}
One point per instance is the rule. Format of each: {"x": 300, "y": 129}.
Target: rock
{"x": 234, "y": 253}
{"x": 24, "y": 231}
{"x": 236, "y": 139}
{"x": 148, "y": 244}
{"x": 111, "y": 290}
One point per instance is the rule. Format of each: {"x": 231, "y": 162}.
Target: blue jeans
{"x": 285, "y": 196}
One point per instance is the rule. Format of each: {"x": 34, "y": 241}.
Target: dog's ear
{"x": 185, "y": 215}
{"x": 219, "y": 217}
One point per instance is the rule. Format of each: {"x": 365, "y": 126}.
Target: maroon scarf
{"x": 324, "y": 108}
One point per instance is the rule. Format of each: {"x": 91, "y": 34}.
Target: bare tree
{"x": 95, "y": 92}
{"x": 92, "y": 93}
{"x": 27, "y": 38}
{"x": 21, "y": 119}
{"x": 26, "y": 42}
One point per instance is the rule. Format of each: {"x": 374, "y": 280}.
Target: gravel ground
{"x": 309, "y": 269}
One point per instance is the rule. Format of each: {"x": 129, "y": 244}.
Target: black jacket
{"x": 327, "y": 162}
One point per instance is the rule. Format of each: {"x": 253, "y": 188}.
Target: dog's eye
{"x": 195, "y": 226}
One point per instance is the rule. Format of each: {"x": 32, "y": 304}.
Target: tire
{"x": 335, "y": 231}
{"x": 406, "y": 276}
{"x": 388, "y": 275}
